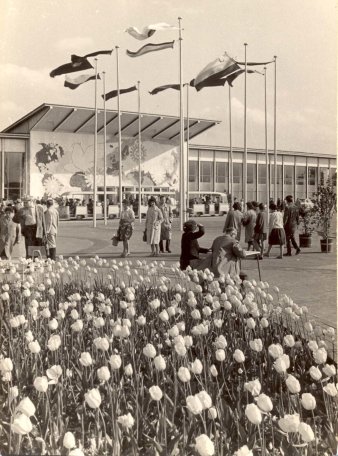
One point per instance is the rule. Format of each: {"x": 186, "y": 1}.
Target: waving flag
{"x": 217, "y": 69}
{"x": 79, "y": 64}
{"x": 164, "y": 87}
{"x": 148, "y": 31}
{"x": 94, "y": 54}
{"x": 76, "y": 82}
{"x": 255, "y": 63}
{"x": 151, "y": 48}
{"x": 208, "y": 83}
{"x": 114, "y": 93}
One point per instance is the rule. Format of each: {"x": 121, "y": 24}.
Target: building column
{"x": 307, "y": 179}
{"x": 282, "y": 183}
{"x": 214, "y": 173}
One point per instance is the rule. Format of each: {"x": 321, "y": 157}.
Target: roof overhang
{"x": 74, "y": 119}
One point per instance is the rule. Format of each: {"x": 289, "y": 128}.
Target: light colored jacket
{"x": 52, "y": 220}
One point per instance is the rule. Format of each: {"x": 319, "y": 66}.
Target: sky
{"x": 37, "y": 36}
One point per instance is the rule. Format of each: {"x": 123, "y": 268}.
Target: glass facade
{"x": 193, "y": 175}
{"x": 300, "y": 182}
{"x": 13, "y": 173}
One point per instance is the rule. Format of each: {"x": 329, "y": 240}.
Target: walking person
{"x": 126, "y": 226}
{"x": 291, "y": 222}
{"x": 154, "y": 220}
{"x": 9, "y": 233}
{"x": 260, "y": 230}
{"x": 234, "y": 219}
{"x": 32, "y": 221}
{"x": 276, "y": 231}
{"x": 166, "y": 225}
{"x": 52, "y": 224}
{"x": 249, "y": 221}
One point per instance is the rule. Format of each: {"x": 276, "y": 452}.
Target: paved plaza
{"x": 309, "y": 279}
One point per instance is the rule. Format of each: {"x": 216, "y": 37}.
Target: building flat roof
{"x": 75, "y": 119}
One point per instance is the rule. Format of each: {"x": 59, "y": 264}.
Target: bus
{"x": 208, "y": 203}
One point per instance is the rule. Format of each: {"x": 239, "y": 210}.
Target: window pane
{"x": 206, "y": 171}
{"x": 221, "y": 173}
{"x": 13, "y": 174}
{"x": 262, "y": 174}
{"x": 333, "y": 176}
{"x": 251, "y": 173}
{"x": 237, "y": 171}
{"x": 312, "y": 175}
{"x": 288, "y": 175}
{"x": 300, "y": 175}
{"x": 279, "y": 174}
{"x": 193, "y": 171}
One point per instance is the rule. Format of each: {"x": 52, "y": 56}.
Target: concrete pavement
{"x": 309, "y": 279}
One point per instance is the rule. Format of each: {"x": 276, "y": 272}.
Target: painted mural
{"x": 63, "y": 163}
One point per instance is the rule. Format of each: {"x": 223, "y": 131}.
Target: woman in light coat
{"x": 154, "y": 220}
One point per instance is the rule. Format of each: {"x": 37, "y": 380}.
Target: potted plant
{"x": 307, "y": 223}
{"x": 325, "y": 205}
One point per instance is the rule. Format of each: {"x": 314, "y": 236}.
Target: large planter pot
{"x": 305, "y": 240}
{"x": 64, "y": 212}
{"x": 326, "y": 245}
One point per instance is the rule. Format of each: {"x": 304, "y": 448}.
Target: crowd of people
{"x": 225, "y": 253}
{"x": 35, "y": 220}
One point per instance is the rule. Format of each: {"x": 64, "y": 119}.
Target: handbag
{"x": 145, "y": 236}
{"x": 115, "y": 240}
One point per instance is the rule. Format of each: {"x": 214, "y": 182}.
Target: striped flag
{"x": 74, "y": 83}
{"x": 217, "y": 69}
{"x": 114, "y": 93}
{"x": 149, "y": 30}
{"x": 151, "y": 48}
{"x": 79, "y": 64}
{"x": 164, "y": 87}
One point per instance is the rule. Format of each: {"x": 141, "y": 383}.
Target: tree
{"x": 325, "y": 205}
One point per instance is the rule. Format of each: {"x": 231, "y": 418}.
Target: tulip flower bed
{"x": 107, "y": 358}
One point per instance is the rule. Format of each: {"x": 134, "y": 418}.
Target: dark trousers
{"x": 30, "y": 237}
{"x": 290, "y": 238}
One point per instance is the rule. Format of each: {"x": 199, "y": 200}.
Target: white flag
{"x": 148, "y": 31}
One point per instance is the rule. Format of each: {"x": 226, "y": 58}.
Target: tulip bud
{"x": 128, "y": 370}
{"x": 159, "y": 363}
{"x": 239, "y": 356}
{"x": 253, "y": 414}
{"x": 308, "y": 401}
{"x": 205, "y": 399}
{"x": 93, "y": 398}
{"x": 103, "y": 374}
{"x": 22, "y": 424}
{"x": 69, "y": 440}
{"x": 183, "y": 374}
{"x": 204, "y": 446}
{"x": 126, "y": 421}
{"x": 306, "y": 432}
{"x": 149, "y": 351}
{"x": 115, "y": 362}
{"x": 86, "y": 359}
{"x": 155, "y": 393}
{"x": 54, "y": 342}
{"x": 264, "y": 403}
{"x": 26, "y": 406}
{"x": 41, "y": 384}
{"x": 194, "y": 405}
{"x": 293, "y": 384}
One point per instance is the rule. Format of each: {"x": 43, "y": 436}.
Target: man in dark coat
{"x": 190, "y": 248}
{"x": 291, "y": 222}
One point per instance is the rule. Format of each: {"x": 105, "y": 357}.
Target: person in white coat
{"x": 52, "y": 224}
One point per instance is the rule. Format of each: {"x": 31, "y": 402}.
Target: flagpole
{"x": 139, "y": 152}
{"x": 275, "y": 131}
{"x": 230, "y": 139}
{"x": 95, "y": 150}
{"x": 187, "y": 162}
{"x": 104, "y": 150}
{"x": 181, "y": 185}
{"x": 119, "y": 127}
{"x": 245, "y": 146}
{"x": 266, "y": 145}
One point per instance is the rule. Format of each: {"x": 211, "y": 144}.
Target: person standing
{"x": 234, "y": 219}
{"x": 9, "y": 233}
{"x": 32, "y": 221}
{"x": 276, "y": 231}
{"x": 249, "y": 221}
{"x": 260, "y": 230}
{"x": 166, "y": 225}
{"x": 154, "y": 220}
{"x": 52, "y": 223}
{"x": 126, "y": 226}
{"x": 291, "y": 222}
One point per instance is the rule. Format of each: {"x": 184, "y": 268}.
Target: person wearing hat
{"x": 154, "y": 219}
{"x": 32, "y": 221}
{"x": 52, "y": 223}
{"x": 126, "y": 226}
{"x": 9, "y": 233}
{"x": 190, "y": 248}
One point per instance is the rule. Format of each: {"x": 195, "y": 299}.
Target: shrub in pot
{"x": 325, "y": 205}
{"x": 307, "y": 222}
